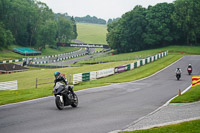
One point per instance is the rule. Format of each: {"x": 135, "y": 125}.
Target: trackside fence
{"x": 81, "y": 77}
{"x": 10, "y": 85}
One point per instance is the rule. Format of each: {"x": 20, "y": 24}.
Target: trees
{"x": 6, "y": 37}
{"x": 75, "y": 34}
{"x": 187, "y": 18}
{"x": 160, "y": 25}
{"x": 126, "y": 34}
{"x": 89, "y": 19}
{"x": 65, "y": 30}
{"x": 159, "y": 28}
{"x": 33, "y": 24}
{"x": 47, "y": 34}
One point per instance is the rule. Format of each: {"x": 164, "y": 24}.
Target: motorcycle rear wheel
{"x": 59, "y": 104}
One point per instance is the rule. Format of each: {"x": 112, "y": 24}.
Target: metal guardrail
{"x": 10, "y": 85}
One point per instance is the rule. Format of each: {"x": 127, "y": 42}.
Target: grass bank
{"x": 192, "y": 95}
{"x": 185, "y": 127}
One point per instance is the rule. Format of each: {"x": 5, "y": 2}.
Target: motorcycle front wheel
{"x": 59, "y": 104}
{"x": 75, "y": 102}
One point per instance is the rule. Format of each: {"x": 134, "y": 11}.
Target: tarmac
{"x": 171, "y": 113}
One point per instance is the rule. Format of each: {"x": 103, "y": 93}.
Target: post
{"x": 36, "y": 82}
{"x": 69, "y": 77}
{"x": 179, "y": 92}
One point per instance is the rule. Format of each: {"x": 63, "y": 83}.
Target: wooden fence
{"x": 50, "y": 80}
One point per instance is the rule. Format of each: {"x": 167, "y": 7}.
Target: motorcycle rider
{"x": 60, "y": 78}
{"x": 178, "y": 71}
{"x": 190, "y": 66}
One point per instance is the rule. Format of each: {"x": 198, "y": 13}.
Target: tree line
{"x": 89, "y": 19}
{"x": 31, "y": 23}
{"x": 164, "y": 24}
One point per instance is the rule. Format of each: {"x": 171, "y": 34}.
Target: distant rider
{"x": 190, "y": 66}
{"x": 178, "y": 71}
{"x": 60, "y": 78}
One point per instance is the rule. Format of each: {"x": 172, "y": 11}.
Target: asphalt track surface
{"x": 101, "y": 109}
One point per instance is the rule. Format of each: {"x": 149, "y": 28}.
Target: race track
{"x": 101, "y": 109}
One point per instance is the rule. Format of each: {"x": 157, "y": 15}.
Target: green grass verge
{"x": 120, "y": 57}
{"x": 23, "y": 95}
{"x": 92, "y": 33}
{"x": 190, "y": 96}
{"x": 187, "y": 50}
{"x": 185, "y": 127}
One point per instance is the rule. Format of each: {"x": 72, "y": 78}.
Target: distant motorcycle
{"x": 189, "y": 70}
{"x": 178, "y": 76}
{"x": 64, "y": 97}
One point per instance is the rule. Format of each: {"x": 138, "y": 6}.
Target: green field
{"x": 92, "y": 33}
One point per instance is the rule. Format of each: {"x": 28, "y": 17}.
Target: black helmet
{"x": 57, "y": 74}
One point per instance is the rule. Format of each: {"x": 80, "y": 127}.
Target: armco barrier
{"x": 77, "y": 78}
{"x": 105, "y": 72}
{"x": 10, "y": 85}
{"x": 81, "y": 77}
{"x": 85, "y": 76}
{"x": 93, "y": 75}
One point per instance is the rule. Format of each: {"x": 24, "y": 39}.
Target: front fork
{"x": 61, "y": 98}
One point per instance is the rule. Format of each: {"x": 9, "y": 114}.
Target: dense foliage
{"x": 89, "y": 19}
{"x": 31, "y": 23}
{"x": 156, "y": 26}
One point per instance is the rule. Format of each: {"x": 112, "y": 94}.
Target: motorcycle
{"x": 178, "y": 76}
{"x": 63, "y": 96}
{"x": 189, "y": 70}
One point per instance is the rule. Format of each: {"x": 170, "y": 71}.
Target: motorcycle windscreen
{"x": 60, "y": 89}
